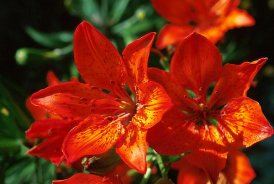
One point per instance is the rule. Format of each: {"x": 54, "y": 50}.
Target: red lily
{"x": 51, "y": 128}
{"x": 88, "y": 179}
{"x": 210, "y": 18}
{"x": 207, "y": 127}
{"x": 109, "y": 117}
{"x": 237, "y": 171}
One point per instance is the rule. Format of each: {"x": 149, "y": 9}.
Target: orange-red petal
{"x": 214, "y": 33}
{"x": 152, "y": 103}
{"x": 95, "y": 135}
{"x": 196, "y": 64}
{"x": 136, "y": 59}
{"x": 177, "y": 94}
{"x": 210, "y": 153}
{"x": 54, "y": 132}
{"x": 176, "y": 11}
{"x": 123, "y": 172}
{"x": 238, "y": 169}
{"x": 82, "y": 178}
{"x": 189, "y": 174}
{"x": 50, "y": 149}
{"x": 237, "y": 18}
{"x": 178, "y": 133}
{"x": 172, "y": 34}
{"x": 97, "y": 60}
{"x": 238, "y": 76}
{"x": 132, "y": 148}
{"x": 37, "y": 112}
{"x": 67, "y": 100}
{"x": 243, "y": 123}
{"x": 52, "y": 79}
{"x": 46, "y": 128}
{"x": 174, "y": 134}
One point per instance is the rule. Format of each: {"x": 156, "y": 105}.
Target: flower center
{"x": 205, "y": 116}
{"x": 202, "y": 115}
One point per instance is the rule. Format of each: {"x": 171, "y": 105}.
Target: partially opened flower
{"x": 119, "y": 110}
{"x": 237, "y": 171}
{"x": 207, "y": 122}
{"x": 209, "y": 18}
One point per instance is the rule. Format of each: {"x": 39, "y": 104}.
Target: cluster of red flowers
{"x": 199, "y": 109}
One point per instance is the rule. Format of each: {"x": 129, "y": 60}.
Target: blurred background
{"x": 36, "y": 36}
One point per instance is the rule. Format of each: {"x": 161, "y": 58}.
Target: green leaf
{"x": 117, "y": 10}
{"x": 13, "y": 119}
{"x": 51, "y": 40}
{"x": 9, "y": 145}
{"x": 85, "y": 9}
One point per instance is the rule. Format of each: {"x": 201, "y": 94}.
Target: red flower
{"x": 82, "y": 178}
{"x": 109, "y": 117}
{"x": 237, "y": 170}
{"x": 49, "y": 127}
{"x": 207, "y": 127}
{"x": 209, "y": 18}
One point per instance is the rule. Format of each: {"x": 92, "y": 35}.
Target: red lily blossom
{"x": 210, "y": 18}
{"x": 108, "y": 117}
{"x": 237, "y": 171}
{"x": 49, "y": 127}
{"x": 88, "y": 179}
{"x": 207, "y": 127}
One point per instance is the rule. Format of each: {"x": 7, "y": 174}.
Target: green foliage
{"x": 15, "y": 166}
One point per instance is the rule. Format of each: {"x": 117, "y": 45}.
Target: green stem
{"x": 161, "y": 164}
{"x": 146, "y": 176}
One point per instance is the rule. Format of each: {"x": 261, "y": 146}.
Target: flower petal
{"x": 189, "y": 173}
{"x": 174, "y": 134}
{"x": 46, "y": 128}
{"x": 238, "y": 169}
{"x": 97, "y": 60}
{"x": 152, "y": 103}
{"x": 243, "y": 123}
{"x": 54, "y": 132}
{"x": 52, "y": 79}
{"x": 177, "y": 94}
{"x": 68, "y": 100}
{"x": 49, "y": 149}
{"x": 132, "y": 148}
{"x": 38, "y": 113}
{"x": 214, "y": 33}
{"x": 238, "y": 76}
{"x": 196, "y": 64}
{"x": 176, "y": 11}
{"x": 237, "y": 18}
{"x": 95, "y": 135}
{"x": 87, "y": 179}
{"x": 136, "y": 58}
{"x": 178, "y": 133}
{"x": 172, "y": 34}
{"x": 210, "y": 153}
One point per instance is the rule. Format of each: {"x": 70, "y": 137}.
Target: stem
{"x": 161, "y": 164}
{"x": 146, "y": 176}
